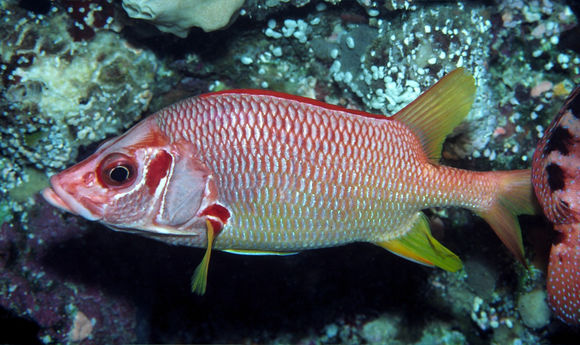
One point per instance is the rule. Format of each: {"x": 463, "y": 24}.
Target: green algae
{"x": 36, "y": 182}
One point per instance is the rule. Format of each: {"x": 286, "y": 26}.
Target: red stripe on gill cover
{"x": 285, "y": 96}
{"x": 158, "y": 169}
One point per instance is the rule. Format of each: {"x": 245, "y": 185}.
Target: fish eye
{"x": 117, "y": 170}
{"x": 119, "y": 174}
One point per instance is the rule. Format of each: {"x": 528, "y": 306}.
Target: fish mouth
{"x": 66, "y": 202}
{"x": 50, "y": 195}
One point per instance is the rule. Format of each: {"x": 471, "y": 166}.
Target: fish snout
{"x": 52, "y": 198}
{"x": 61, "y": 196}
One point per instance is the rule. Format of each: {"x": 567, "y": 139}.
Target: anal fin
{"x": 420, "y": 246}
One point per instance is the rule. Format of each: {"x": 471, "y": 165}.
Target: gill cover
{"x": 190, "y": 188}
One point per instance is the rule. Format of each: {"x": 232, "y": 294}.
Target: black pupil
{"x": 119, "y": 174}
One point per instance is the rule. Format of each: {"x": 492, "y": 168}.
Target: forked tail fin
{"x": 514, "y": 196}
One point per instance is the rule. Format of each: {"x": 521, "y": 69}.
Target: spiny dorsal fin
{"x": 420, "y": 246}
{"x": 434, "y": 114}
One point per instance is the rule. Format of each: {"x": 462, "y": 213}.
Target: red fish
{"x": 261, "y": 172}
{"x": 556, "y": 180}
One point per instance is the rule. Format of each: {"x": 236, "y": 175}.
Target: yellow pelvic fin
{"x": 257, "y": 252}
{"x": 420, "y": 246}
{"x": 434, "y": 114}
{"x": 199, "y": 280}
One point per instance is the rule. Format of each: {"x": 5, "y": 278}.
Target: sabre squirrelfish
{"x": 252, "y": 171}
{"x": 556, "y": 180}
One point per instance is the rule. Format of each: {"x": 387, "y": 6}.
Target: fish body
{"x": 254, "y": 171}
{"x": 556, "y": 180}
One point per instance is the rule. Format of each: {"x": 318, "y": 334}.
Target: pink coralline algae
{"x": 32, "y": 288}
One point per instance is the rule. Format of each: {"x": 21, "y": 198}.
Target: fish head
{"x": 139, "y": 182}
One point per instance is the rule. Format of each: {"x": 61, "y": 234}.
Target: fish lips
{"x": 59, "y": 198}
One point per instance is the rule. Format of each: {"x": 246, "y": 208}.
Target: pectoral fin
{"x": 199, "y": 280}
{"x": 420, "y": 246}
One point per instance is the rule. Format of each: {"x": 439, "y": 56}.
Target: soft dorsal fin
{"x": 434, "y": 114}
{"x": 418, "y": 245}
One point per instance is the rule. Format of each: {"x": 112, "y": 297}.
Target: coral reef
{"x": 32, "y": 287}
{"x": 177, "y": 17}
{"x": 75, "y": 72}
{"x": 60, "y": 94}
{"x": 533, "y": 309}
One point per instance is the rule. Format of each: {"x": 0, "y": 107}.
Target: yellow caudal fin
{"x": 199, "y": 280}
{"x": 420, "y": 246}
{"x": 434, "y": 114}
{"x": 515, "y": 196}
